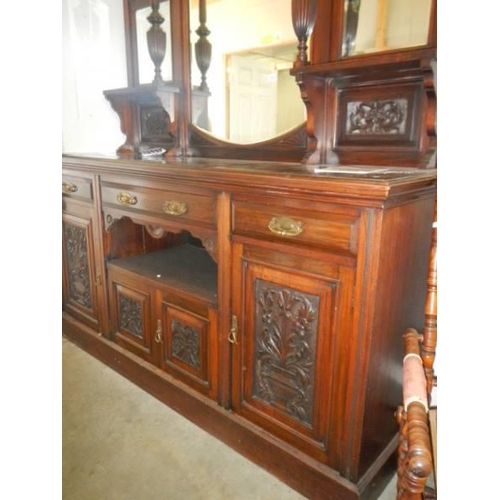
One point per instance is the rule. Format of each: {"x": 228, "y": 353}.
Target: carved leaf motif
{"x": 154, "y": 122}
{"x": 285, "y": 339}
{"x": 75, "y": 238}
{"x": 185, "y": 343}
{"x": 377, "y": 117}
{"x": 131, "y": 315}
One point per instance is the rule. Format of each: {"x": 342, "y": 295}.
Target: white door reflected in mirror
{"x": 252, "y": 97}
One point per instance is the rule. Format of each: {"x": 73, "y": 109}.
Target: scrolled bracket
{"x": 210, "y": 245}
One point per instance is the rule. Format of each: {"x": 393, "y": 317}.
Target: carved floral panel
{"x": 75, "y": 238}
{"x": 286, "y": 330}
{"x": 377, "y": 117}
{"x": 154, "y": 122}
{"x": 130, "y": 315}
{"x": 185, "y": 343}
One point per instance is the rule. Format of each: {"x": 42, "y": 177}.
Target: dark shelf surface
{"x": 185, "y": 267}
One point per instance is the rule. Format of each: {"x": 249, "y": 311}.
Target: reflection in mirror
{"x": 378, "y": 25}
{"x": 251, "y": 95}
{"x": 143, "y": 26}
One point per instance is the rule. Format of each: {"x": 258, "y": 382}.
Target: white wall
{"x": 407, "y": 24}
{"x": 93, "y": 59}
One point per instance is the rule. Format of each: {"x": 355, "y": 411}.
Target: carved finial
{"x": 303, "y": 17}
{"x": 157, "y": 39}
{"x": 203, "y": 48}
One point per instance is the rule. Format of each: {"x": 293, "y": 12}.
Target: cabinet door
{"x": 79, "y": 270}
{"x": 188, "y": 348}
{"x": 131, "y": 310}
{"x": 286, "y": 310}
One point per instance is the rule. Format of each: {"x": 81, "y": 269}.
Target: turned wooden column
{"x": 203, "y": 48}
{"x": 429, "y": 333}
{"x": 303, "y": 18}
{"x": 157, "y": 40}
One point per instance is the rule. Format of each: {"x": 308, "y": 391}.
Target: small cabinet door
{"x": 286, "y": 310}
{"x": 171, "y": 330}
{"x": 131, "y": 314}
{"x": 79, "y": 270}
{"x": 188, "y": 347}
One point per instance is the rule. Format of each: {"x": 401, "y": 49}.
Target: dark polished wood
{"x": 264, "y": 289}
{"x": 261, "y": 290}
{"x": 331, "y": 85}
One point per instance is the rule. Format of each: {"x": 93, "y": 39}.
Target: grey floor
{"x": 120, "y": 443}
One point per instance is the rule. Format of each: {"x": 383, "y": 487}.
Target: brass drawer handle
{"x": 126, "y": 199}
{"x": 285, "y": 226}
{"x": 175, "y": 207}
{"x": 69, "y": 187}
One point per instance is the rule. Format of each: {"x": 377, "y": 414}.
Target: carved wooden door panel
{"x": 131, "y": 314}
{"x": 79, "y": 272}
{"x": 186, "y": 332}
{"x": 284, "y": 350}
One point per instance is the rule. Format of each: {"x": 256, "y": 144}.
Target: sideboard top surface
{"x": 354, "y": 181}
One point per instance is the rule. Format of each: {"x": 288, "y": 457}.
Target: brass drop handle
{"x": 285, "y": 226}
{"x": 69, "y": 187}
{"x": 233, "y": 332}
{"x": 172, "y": 207}
{"x": 158, "y": 338}
{"x": 126, "y": 199}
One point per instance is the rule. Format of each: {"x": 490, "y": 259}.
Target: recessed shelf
{"x": 184, "y": 267}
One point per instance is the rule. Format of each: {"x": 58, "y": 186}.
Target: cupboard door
{"x": 79, "y": 279}
{"x": 131, "y": 315}
{"x": 188, "y": 341}
{"x": 282, "y": 356}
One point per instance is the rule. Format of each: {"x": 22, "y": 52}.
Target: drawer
{"x": 324, "y": 230}
{"x": 77, "y": 187}
{"x": 174, "y": 203}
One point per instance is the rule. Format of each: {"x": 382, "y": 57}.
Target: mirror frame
{"x": 312, "y": 20}
{"x": 324, "y": 29}
{"x": 289, "y": 146}
{"x": 330, "y": 82}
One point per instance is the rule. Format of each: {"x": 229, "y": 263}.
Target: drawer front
{"x": 175, "y": 204}
{"x": 77, "y": 187}
{"x": 324, "y": 230}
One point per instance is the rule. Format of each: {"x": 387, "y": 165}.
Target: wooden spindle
{"x": 157, "y": 40}
{"x": 303, "y": 18}
{"x": 203, "y": 48}
{"x": 429, "y": 332}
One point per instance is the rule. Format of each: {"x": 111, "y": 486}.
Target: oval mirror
{"x": 247, "y": 94}
{"x": 377, "y": 25}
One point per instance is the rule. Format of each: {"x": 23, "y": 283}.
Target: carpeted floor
{"x": 120, "y": 443}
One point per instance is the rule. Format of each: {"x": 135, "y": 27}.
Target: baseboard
{"x": 314, "y": 480}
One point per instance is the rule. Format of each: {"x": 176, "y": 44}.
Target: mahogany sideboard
{"x": 263, "y": 301}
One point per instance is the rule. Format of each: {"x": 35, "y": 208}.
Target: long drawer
{"x": 320, "y": 229}
{"x": 175, "y": 203}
